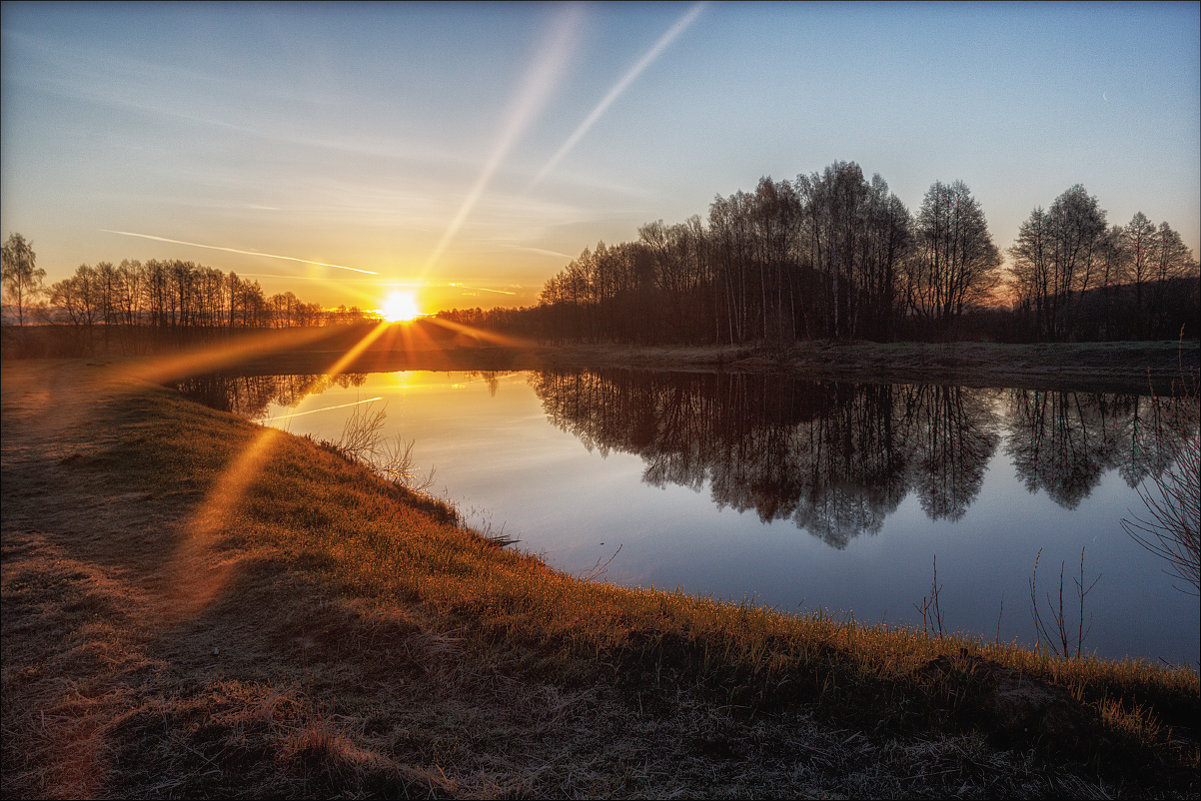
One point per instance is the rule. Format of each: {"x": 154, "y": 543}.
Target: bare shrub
{"x": 1054, "y": 630}
{"x": 363, "y": 441}
{"x": 930, "y": 608}
{"x": 1172, "y": 528}
{"x": 394, "y": 461}
{"x": 362, "y": 432}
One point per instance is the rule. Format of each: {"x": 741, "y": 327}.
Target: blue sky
{"x": 484, "y": 145}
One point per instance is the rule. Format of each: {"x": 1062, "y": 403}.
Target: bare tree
{"x": 1139, "y": 238}
{"x": 21, "y": 276}
{"x": 1077, "y": 227}
{"x": 79, "y": 296}
{"x": 956, "y": 263}
{"x": 1172, "y": 259}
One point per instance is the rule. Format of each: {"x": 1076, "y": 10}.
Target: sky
{"x": 472, "y": 150}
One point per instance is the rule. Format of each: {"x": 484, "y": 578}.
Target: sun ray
{"x": 194, "y": 578}
{"x": 481, "y": 335}
{"x": 193, "y": 588}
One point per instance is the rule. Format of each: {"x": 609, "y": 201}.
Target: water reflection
{"x": 251, "y": 395}
{"x": 838, "y": 458}
{"x": 1062, "y": 442}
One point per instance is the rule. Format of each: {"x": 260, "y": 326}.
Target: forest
{"x": 828, "y": 255}
{"x": 832, "y": 255}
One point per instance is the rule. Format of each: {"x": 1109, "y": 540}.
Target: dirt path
{"x": 86, "y": 567}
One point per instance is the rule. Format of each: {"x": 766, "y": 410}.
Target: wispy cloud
{"x": 544, "y": 252}
{"x": 631, "y": 75}
{"x": 481, "y": 289}
{"x": 239, "y": 250}
{"x": 545, "y": 71}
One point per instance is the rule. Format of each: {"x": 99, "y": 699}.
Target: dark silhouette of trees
{"x": 176, "y": 294}
{"x": 854, "y": 240}
{"x": 1074, "y": 278}
{"x": 955, "y": 263}
{"x": 1139, "y": 243}
{"x": 821, "y": 256}
{"x": 21, "y": 277}
{"x": 832, "y": 255}
{"x": 138, "y": 305}
{"x": 1059, "y": 255}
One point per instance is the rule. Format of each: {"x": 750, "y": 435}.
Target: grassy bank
{"x": 1079, "y": 366}
{"x": 194, "y": 605}
{"x": 424, "y": 345}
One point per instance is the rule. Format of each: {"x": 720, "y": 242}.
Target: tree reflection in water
{"x": 838, "y": 458}
{"x": 250, "y": 395}
{"x": 835, "y": 458}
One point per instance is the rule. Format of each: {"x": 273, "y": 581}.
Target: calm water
{"x": 795, "y": 494}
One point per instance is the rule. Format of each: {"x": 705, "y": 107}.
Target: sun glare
{"x": 400, "y": 307}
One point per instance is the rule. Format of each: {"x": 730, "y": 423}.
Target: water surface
{"x": 796, "y": 494}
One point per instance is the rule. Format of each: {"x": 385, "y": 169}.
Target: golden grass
{"x": 325, "y": 636}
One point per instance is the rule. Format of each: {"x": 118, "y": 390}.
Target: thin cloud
{"x": 664, "y": 41}
{"x": 481, "y": 289}
{"x": 545, "y": 252}
{"x": 237, "y": 250}
{"x": 545, "y": 71}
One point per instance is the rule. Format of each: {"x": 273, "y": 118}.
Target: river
{"x": 805, "y": 496}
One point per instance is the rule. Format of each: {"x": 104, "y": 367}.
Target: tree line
{"x": 158, "y": 293}
{"x": 834, "y": 255}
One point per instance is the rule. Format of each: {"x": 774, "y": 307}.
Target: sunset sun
{"x": 400, "y": 307}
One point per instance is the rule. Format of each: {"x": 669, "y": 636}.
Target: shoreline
{"x": 1138, "y": 367}
{"x": 201, "y": 605}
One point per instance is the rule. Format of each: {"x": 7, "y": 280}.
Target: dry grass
{"x": 309, "y": 631}
{"x": 1092, "y": 365}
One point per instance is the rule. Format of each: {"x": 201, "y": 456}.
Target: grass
{"x": 192, "y": 606}
{"x": 1094, "y": 365}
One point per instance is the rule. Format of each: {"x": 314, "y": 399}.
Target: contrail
{"x": 545, "y": 252}
{"x": 614, "y": 93}
{"x": 481, "y": 289}
{"x": 545, "y": 71}
{"x": 236, "y": 250}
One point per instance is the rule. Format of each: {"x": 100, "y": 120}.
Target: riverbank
{"x": 427, "y": 345}
{"x": 194, "y": 605}
{"x": 1092, "y": 365}
{"x": 1096, "y": 366}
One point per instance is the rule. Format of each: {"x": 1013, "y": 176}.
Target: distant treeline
{"x": 833, "y": 255}
{"x": 134, "y": 302}
{"x": 167, "y": 293}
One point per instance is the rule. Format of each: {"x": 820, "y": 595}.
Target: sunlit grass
{"x": 312, "y": 554}
{"x": 319, "y": 509}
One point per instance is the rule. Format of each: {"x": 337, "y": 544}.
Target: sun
{"x": 400, "y": 307}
